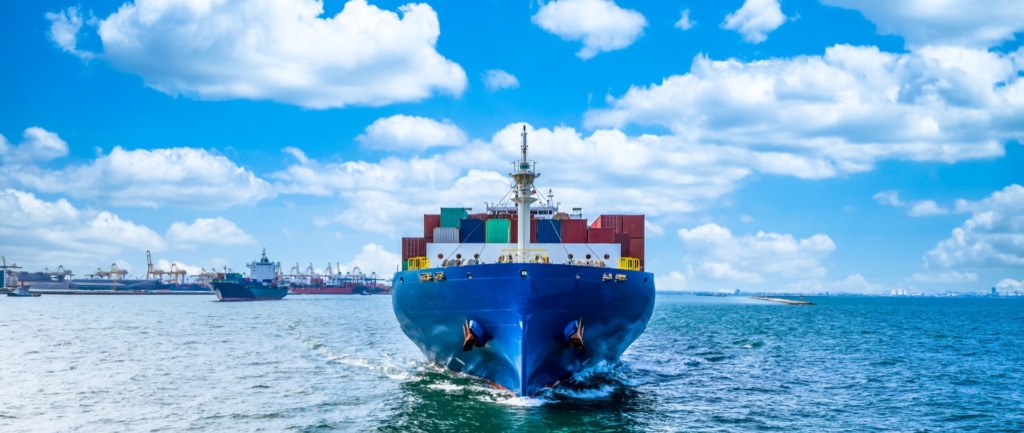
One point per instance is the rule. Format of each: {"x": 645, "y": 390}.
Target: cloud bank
{"x": 278, "y": 50}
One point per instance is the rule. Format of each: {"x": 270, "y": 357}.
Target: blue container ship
{"x": 523, "y": 315}
{"x": 261, "y": 285}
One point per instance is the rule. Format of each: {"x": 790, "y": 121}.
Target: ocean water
{"x": 323, "y": 363}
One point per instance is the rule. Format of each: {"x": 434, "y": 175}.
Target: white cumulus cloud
{"x": 684, "y": 22}
{"x": 745, "y": 258}
{"x": 64, "y": 27}
{"x": 279, "y": 50}
{"x": 601, "y": 25}
{"x": 180, "y": 176}
{"x": 891, "y": 198}
{"x": 207, "y": 231}
{"x": 820, "y": 116}
{"x": 855, "y": 283}
{"x": 755, "y": 19}
{"x": 926, "y": 208}
{"x": 944, "y": 277}
{"x": 497, "y": 79}
{"x": 374, "y": 258}
{"x": 992, "y": 237}
{"x": 401, "y": 132}
{"x": 1009, "y": 283}
{"x": 37, "y": 144}
{"x": 38, "y": 233}
{"x": 970, "y": 23}
{"x": 673, "y": 281}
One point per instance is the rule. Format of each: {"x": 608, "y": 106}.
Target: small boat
{"x": 10, "y": 281}
{"x": 22, "y": 292}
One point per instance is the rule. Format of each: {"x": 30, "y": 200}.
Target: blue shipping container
{"x": 472, "y": 231}
{"x": 549, "y": 231}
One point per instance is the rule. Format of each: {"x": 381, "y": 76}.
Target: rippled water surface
{"x": 322, "y": 363}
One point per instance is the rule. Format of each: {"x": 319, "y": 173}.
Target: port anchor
{"x": 472, "y": 335}
{"x": 574, "y": 335}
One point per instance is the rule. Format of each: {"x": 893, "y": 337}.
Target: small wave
{"x": 524, "y": 401}
{"x": 600, "y": 393}
{"x": 447, "y": 387}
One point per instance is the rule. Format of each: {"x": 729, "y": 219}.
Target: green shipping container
{"x": 452, "y": 216}
{"x": 498, "y": 231}
{"x": 405, "y": 265}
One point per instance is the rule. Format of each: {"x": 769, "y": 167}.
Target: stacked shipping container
{"x": 549, "y": 231}
{"x": 456, "y": 225}
{"x": 472, "y": 231}
{"x": 574, "y": 231}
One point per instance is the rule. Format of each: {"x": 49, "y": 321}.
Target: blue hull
{"x": 523, "y": 320}
{"x": 230, "y": 291}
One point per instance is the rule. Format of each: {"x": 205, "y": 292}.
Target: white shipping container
{"x": 446, "y": 235}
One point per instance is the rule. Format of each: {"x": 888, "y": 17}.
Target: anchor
{"x": 574, "y": 335}
{"x": 472, "y": 335}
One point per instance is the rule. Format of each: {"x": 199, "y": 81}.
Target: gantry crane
{"x": 151, "y": 271}
{"x": 176, "y": 274}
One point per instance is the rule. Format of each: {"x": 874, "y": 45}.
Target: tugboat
{"x": 22, "y": 292}
{"x": 10, "y": 282}
{"x": 516, "y": 315}
{"x": 261, "y": 285}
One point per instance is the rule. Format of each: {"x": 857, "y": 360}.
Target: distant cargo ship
{"x": 523, "y": 297}
{"x": 261, "y": 285}
{"x": 351, "y": 283}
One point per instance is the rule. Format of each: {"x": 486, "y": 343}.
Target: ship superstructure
{"x": 524, "y": 299}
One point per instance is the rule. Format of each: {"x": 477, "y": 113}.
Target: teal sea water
{"x": 322, "y": 363}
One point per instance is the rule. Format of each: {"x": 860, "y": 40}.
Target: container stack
{"x": 446, "y": 235}
{"x": 413, "y": 247}
{"x": 472, "y": 231}
{"x": 498, "y": 231}
{"x": 430, "y": 222}
{"x": 549, "y": 231}
{"x": 625, "y": 230}
{"x": 600, "y": 236}
{"x": 574, "y": 231}
{"x": 452, "y": 216}
{"x": 514, "y": 238}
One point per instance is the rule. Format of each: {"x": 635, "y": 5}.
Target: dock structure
{"x": 784, "y": 301}
{"x": 124, "y": 292}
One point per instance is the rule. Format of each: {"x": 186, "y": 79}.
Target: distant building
{"x": 737, "y": 292}
{"x": 994, "y": 292}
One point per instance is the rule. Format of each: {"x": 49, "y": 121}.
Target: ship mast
{"x": 524, "y": 172}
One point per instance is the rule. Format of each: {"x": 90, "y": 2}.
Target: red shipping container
{"x": 413, "y": 247}
{"x": 634, "y": 225}
{"x": 623, "y": 240}
{"x": 600, "y": 236}
{"x": 478, "y": 216}
{"x": 636, "y": 248}
{"x": 613, "y": 222}
{"x": 574, "y": 231}
{"x": 430, "y": 222}
{"x": 514, "y": 232}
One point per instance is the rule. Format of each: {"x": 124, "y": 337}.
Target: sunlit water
{"x": 323, "y": 363}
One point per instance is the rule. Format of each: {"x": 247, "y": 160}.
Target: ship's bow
{"x": 526, "y": 326}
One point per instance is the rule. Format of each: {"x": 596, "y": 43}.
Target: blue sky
{"x": 836, "y": 146}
